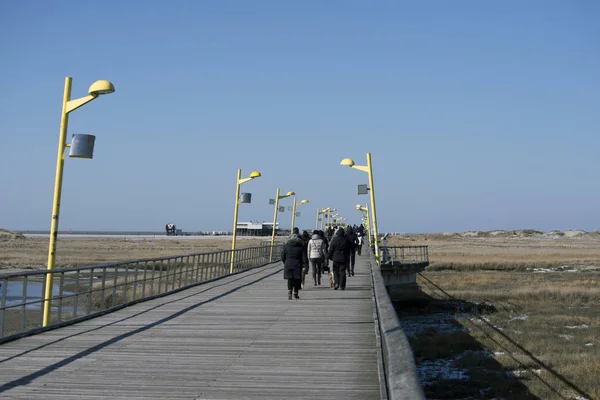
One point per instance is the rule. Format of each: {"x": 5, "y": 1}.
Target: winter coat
{"x": 293, "y": 258}
{"x": 316, "y": 247}
{"x": 339, "y": 248}
{"x": 352, "y": 240}
{"x": 329, "y": 233}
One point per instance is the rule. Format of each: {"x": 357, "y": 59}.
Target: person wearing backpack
{"x": 316, "y": 255}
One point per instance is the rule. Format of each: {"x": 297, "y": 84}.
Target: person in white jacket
{"x": 316, "y": 255}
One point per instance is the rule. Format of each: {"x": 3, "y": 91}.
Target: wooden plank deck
{"x": 235, "y": 338}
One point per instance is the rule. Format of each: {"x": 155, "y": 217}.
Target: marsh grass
{"x": 536, "y": 337}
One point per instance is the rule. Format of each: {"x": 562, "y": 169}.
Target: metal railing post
{"x": 23, "y": 308}
{"x": 3, "y": 306}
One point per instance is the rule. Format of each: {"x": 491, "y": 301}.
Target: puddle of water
{"x": 35, "y": 290}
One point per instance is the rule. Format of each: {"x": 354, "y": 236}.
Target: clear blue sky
{"x": 479, "y": 114}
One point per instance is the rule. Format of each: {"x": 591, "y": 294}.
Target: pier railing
{"x": 81, "y": 292}
{"x": 398, "y": 373}
{"x": 404, "y": 254}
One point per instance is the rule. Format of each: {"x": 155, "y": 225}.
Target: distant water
{"x": 35, "y": 291}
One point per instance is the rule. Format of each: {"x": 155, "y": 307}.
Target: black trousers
{"x": 294, "y": 284}
{"x": 317, "y": 269}
{"x": 359, "y": 249}
{"x": 352, "y": 260}
{"x": 339, "y": 274}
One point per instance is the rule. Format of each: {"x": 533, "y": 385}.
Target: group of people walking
{"x": 337, "y": 245}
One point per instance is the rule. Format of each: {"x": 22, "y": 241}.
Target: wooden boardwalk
{"x": 235, "y": 338}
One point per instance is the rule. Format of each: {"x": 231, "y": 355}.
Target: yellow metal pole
{"x": 317, "y": 220}
{"x": 293, "y": 216}
{"x": 373, "y": 209}
{"x": 60, "y": 162}
{"x": 274, "y": 225}
{"x": 235, "y": 218}
{"x": 370, "y": 237}
{"x": 321, "y": 212}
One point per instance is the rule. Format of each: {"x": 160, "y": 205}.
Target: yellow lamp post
{"x": 294, "y": 212}
{"x": 327, "y": 221}
{"x": 365, "y": 210}
{"x": 331, "y": 215}
{"x": 277, "y": 198}
{"x": 332, "y": 218}
{"x": 98, "y": 88}
{"x": 239, "y": 183}
{"x": 368, "y": 169}
{"x": 322, "y": 212}
{"x": 317, "y": 219}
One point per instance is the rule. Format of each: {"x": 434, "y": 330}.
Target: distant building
{"x": 256, "y": 228}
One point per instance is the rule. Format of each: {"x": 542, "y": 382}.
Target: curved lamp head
{"x": 101, "y": 87}
{"x": 304, "y": 202}
{"x": 290, "y": 194}
{"x": 348, "y": 162}
{"x": 255, "y": 174}
{"x": 358, "y": 207}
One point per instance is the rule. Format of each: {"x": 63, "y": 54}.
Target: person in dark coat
{"x": 339, "y": 253}
{"x": 293, "y": 258}
{"x": 329, "y": 234}
{"x": 305, "y": 267}
{"x": 353, "y": 243}
{"x": 326, "y": 260}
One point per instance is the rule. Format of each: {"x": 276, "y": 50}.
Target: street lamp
{"x": 322, "y": 212}
{"x": 325, "y": 222}
{"x": 333, "y": 219}
{"x": 319, "y": 212}
{"x": 365, "y": 210}
{"x": 82, "y": 147}
{"x": 239, "y": 183}
{"x": 277, "y": 197}
{"x": 331, "y": 210}
{"x": 368, "y": 169}
{"x": 294, "y": 212}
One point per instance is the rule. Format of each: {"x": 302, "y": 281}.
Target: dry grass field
{"x": 507, "y": 250}
{"x": 19, "y": 253}
{"x": 511, "y": 317}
